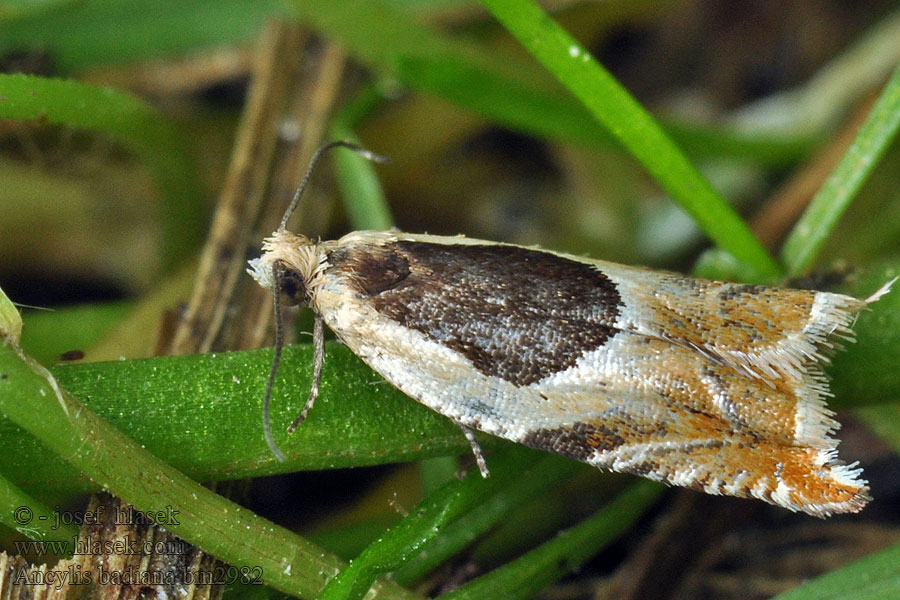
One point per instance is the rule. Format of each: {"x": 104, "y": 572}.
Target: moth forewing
{"x": 709, "y": 385}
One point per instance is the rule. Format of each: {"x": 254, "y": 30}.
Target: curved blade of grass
{"x": 31, "y": 517}
{"x": 610, "y": 104}
{"x": 77, "y": 34}
{"x": 361, "y": 191}
{"x": 423, "y": 58}
{"x": 200, "y": 414}
{"x": 426, "y": 524}
{"x": 532, "y": 572}
{"x": 458, "y": 72}
{"x": 75, "y": 104}
{"x": 19, "y": 510}
{"x": 396, "y": 546}
{"x": 876, "y": 577}
{"x": 832, "y": 200}
{"x": 531, "y": 481}
{"x": 502, "y": 87}
{"x": 33, "y": 400}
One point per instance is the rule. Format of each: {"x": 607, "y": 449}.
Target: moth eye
{"x": 293, "y": 288}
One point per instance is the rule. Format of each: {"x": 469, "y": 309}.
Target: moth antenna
{"x": 319, "y": 331}
{"x": 367, "y": 154}
{"x": 318, "y": 361}
{"x": 276, "y": 360}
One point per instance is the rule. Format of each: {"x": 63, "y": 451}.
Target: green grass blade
{"x": 363, "y": 197}
{"x": 34, "y": 401}
{"x": 609, "y": 103}
{"x": 397, "y": 545}
{"x": 412, "y": 543}
{"x": 531, "y": 481}
{"x": 876, "y": 577}
{"x": 30, "y": 517}
{"x": 530, "y": 573}
{"x": 502, "y": 87}
{"x": 75, "y": 104}
{"x": 829, "y": 204}
{"x": 18, "y": 509}
{"x": 79, "y": 34}
{"x": 458, "y": 71}
{"x": 201, "y": 414}
{"x": 502, "y": 90}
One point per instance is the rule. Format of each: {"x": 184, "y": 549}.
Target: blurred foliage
{"x": 106, "y": 192}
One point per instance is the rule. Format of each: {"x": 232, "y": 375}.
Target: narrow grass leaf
{"x": 532, "y": 572}
{"x": 876, "y": 577}
{"x": 137, "y": 124}
{"x": 32, "y": 399}
{"x": 822, "y": 215}
{"x": 610, "y": 104}
{"x": 363, "y": 197}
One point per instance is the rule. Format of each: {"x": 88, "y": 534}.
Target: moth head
{"x": 289, "y": 264}
{"x": 291, "y": 261}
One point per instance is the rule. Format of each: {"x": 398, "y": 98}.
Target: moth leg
{"x": 318, "y": 361}
{"x": 476, "y": 449}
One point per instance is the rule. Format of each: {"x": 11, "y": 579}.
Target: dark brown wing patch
{"x": 516, "y": 313}
{"x": 580, "y": 441}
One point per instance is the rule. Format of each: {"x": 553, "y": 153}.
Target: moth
{"x": 709, "y": 385}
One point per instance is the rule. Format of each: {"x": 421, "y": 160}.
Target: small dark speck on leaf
{"x": 71, "y": 355}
